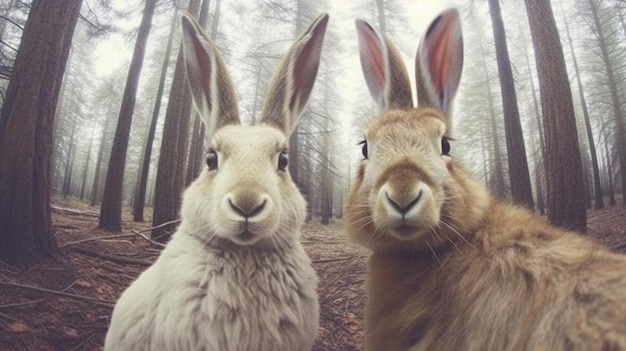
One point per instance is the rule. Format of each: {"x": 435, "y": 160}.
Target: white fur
{"x": 234, "y": 276}
{"x": 194, "y": 298}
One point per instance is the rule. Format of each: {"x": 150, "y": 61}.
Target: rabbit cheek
{"x": 196, "y": 209}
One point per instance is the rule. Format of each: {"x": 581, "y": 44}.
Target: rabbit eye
{"x": 445, "y": 146}
{"x": 283, "y": 161}
{"x": 211, "y": 160}
{"x": 364, "y": 148}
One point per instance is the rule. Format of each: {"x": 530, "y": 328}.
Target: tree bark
{"x": 26, "y": 132}
{"x": 83, "y": 185}
{"x": 497, "y": 183}
{"x": 538, "y": 160}
{"x": 609, "y": 171}
{"x": 142, "y": 180}
{"x": 96, "y": 192}
{"x": 564, "y": 178}
{"x": 111, "y": 209}
{"x": 597, "y": 188}
{"x": 521, "y": 190}
{"x": 69, "y": 162}
{"x": 170, "y": 171}
{"x": 618, "y": 116}
{"x": 382, "y": 23}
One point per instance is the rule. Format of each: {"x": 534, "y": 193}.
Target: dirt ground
{"x": 66, "y": 305}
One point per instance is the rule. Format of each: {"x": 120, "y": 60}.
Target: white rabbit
{"x": 451, "y": 267}
{"x": 234, "y": 275}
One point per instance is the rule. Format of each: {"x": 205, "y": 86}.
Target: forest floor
{"x": 66, "y": 305}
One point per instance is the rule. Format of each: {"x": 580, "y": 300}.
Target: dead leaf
{"x": 18, "y": 327}
{"x": 71, "y": 332}
{"x": 84, "y": 284}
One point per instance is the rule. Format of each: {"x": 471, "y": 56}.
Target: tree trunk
{"x": 621, "y": 19}
{"x": 257, "y": 91}
{"x": 170, "y": 171}
{"x": 538, "y": 160}
{"x": 111, "y": 210}
{"x": 83, "y": 185}
{"x": 564, "y": 178}
{"x": 382, "y": 23}
{"x": 26, "y": 132}
{"x": 69, "y": 161}
{"x": 521, "y": 191}
{"x": 96, "y": 192}
{"x": 485, "y": 159}
{"x": 326, "y": 190}
{"x": 609, "y": 171}
{"x": 494, "y": 176}
{"x": 597, "y": 187}
{"x": 498, "y": 185}
{"x": 142, "y": 180}
{"x": 620, "y": 129}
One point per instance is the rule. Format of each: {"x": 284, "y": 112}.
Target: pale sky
{"x": 114, "y": 53}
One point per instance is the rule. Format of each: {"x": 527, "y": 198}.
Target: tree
{"x": 598, "y": 201}
{"x": 26, "y": 132}
{"x": 104, "y": 100}
{"x": 170, "y": 170}
{"x": 565, "y": 205}
{"x": 497, "y": 184}
{"x": 142, "y": 180}
{"x": 609, "y": 170}
{"x": 538, "y": 154}
{"x": 11, "y": 27}
{"x": 111, "y": 210}
{"x": 612, "y": 82}
{"x": 521, "y": 191}
{"x": 478, "y": 126}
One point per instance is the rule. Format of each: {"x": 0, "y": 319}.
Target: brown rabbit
{"x": 452, "y": 268}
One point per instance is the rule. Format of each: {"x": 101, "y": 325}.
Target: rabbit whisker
{"x": 432, "y": 250}
{"x": 455, "y": 231}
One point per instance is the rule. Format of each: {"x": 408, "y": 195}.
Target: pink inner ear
{"x": 301, "y": 72}
{"x": 442, "y": 53}
{"x": 304, "y": 71}
{"x": 376, "y": 61}
{"x": 205, "y": 65}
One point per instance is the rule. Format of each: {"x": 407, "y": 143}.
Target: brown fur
{"x": 505, "y": 280}
{"x": 464, "y": 271}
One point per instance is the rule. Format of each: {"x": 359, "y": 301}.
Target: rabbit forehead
{"x": 409, "y": 138}
{"x": 413, "y": 126}
{"x": 243, "y": 140}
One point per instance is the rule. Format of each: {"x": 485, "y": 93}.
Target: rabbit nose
{"x": 403, "y": 206}
{"x": 247, "y": 209}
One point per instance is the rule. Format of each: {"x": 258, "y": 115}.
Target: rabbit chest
{"x": 194, "y": 298}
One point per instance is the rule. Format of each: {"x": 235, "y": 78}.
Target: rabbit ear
{"x": 439, "y": 62}
{"x": 212, "y": 90}
{"x": 383, "y": 69}
{"x": 292, "y": 84}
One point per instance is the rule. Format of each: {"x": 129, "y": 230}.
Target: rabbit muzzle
{"x": 404, "y": 203}
{"x": 249, "y": 212}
